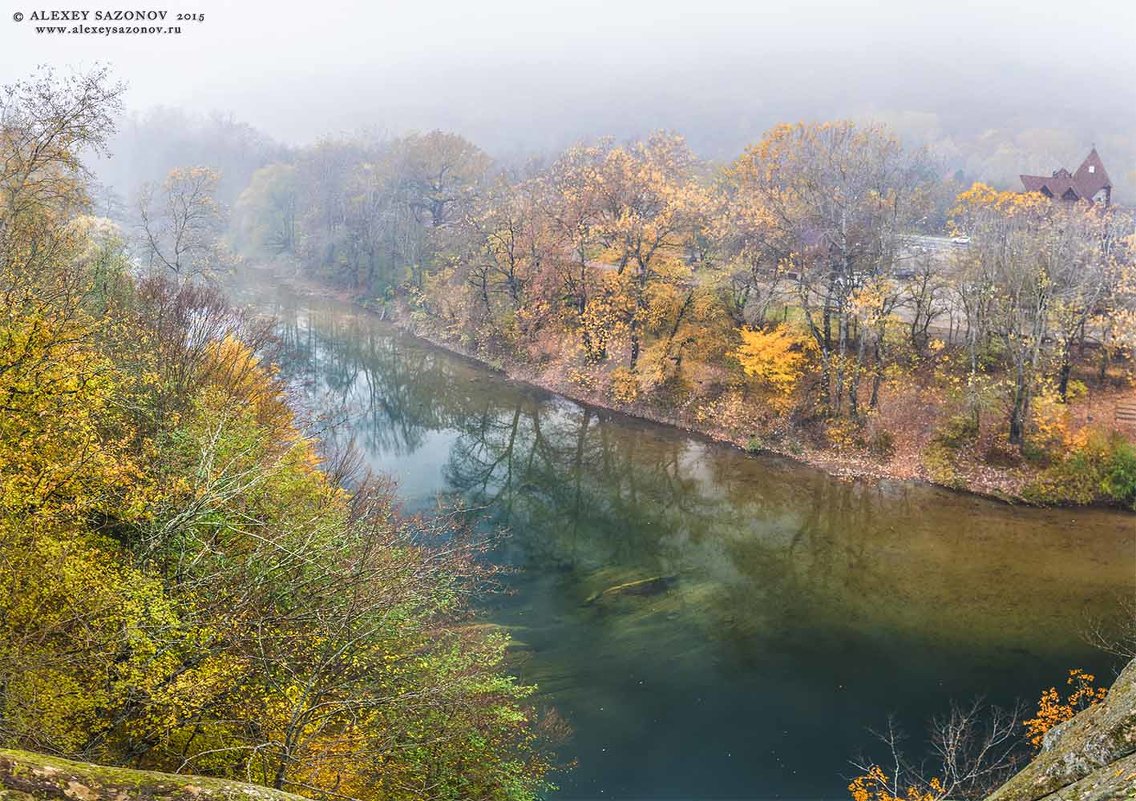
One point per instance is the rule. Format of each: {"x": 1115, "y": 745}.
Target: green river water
{"x": 797, "y": 609}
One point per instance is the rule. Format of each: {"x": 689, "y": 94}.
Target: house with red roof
{"x": 1090, "y": 182}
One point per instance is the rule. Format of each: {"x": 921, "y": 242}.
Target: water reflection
{"x": 796, "y": 608}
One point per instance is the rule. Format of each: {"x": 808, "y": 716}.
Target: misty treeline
{"x": 189, "y": 581}
{"x": 146, "y": 145}
{"x": 828, "y": 288}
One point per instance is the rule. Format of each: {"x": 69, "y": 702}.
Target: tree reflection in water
{"x": 797, "y": 608}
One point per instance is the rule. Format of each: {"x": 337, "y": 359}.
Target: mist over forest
{"x": 570, "y": 399}
{"x": 993, "y": 90}
{"x": 160, "y": 138}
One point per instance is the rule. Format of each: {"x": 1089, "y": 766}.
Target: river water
{"x": 794, "y": 611}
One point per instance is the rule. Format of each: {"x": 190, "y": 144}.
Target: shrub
{"x": 624, "y": 385}
{"x": 1119, "y": 482}
{"x": 938, "y": 460}
{"x": 1101, "y": 467}
{"x": 844, "y": 433}
{"x": 1050, "y": 424}
{"x": 957, "y": 431}
{"x": 777, "y": 358}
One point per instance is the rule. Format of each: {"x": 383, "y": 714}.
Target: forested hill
{"x": 188, "y": 581}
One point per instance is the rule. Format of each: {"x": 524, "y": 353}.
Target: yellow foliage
{"x": 844, "y": 434}
{"x": 624, "y": 385}
{"x": 232, "y": 366}
{"x": 57, "y": 413}
{"x": 605, "y": 317}
{"x": 1051, "y": 420}
{"x": 981, "y": 197}
{"x": 776, "y": 357}
{"x": 91, "y": 638}
{"x": 1052, "y": 710}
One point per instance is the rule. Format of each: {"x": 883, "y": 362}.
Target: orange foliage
{"x": 876, "y": 786}
{"x": 1051, "y": 710}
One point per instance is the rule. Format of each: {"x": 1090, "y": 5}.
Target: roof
{"x": 1091, "y": 176}
{"x": 1084, "y": 184}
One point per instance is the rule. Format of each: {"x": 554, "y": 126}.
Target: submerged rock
{"x": 647, "y": 586}
{"x": 1091, "y": 757}
{"x": 25, "y": 776}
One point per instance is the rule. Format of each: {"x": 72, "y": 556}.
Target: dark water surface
{"x": 798, "y": 609}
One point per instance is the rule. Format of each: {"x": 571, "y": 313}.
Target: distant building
{"x": 1090, "y": 182}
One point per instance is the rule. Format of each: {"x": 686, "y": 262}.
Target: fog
{"x": 997, "y": 88}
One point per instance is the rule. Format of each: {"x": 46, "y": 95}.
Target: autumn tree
{"x": 828, "y": 204}
{"x": 44, "y": 122}
{"x": 926, "y": 296}
{"x": 439, "y": 176}
{"x": 1114, "y": 318}
{"x": 570, "y": 203}
{"x": 182, "y": 585}
{"x": 375, "y": 213}
{"x": 440, "y": 173}
{"x": 1033, "y": 275}
{"x": 266, "y": 213}
{"x": 648, "y": 210}
{"x": 1092, "y": 295}
{"x": 46, "y": 362}
{"x": 325, "y": 174}
{"x": 777, "y": 358}
{"x": 381, "y": 238}
{"x": 973, "y": 749}
{"x": 510, "y": 250}
{"x": 181, "y": 224}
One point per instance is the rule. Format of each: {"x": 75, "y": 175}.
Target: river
{"x": 797, "y": 609}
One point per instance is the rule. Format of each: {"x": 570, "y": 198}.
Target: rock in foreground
{"x": 1089, "y": 758}
{"x": 25, "y": 776}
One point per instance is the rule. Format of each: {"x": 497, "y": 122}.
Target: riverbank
{"x": 911, "y": 420}
{"x": 755, "y": 600}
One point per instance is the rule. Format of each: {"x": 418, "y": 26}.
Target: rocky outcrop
{"x": 1089, "y": 758}
{"x": 26, "y": 776}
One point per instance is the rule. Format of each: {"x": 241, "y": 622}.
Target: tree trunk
{"x": 640, "y": 308}
{"x": 1063, "y": 380}
{"x": 1020, "y": 410}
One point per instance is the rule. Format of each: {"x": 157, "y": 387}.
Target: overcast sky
{"x": 530, "y": 74}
